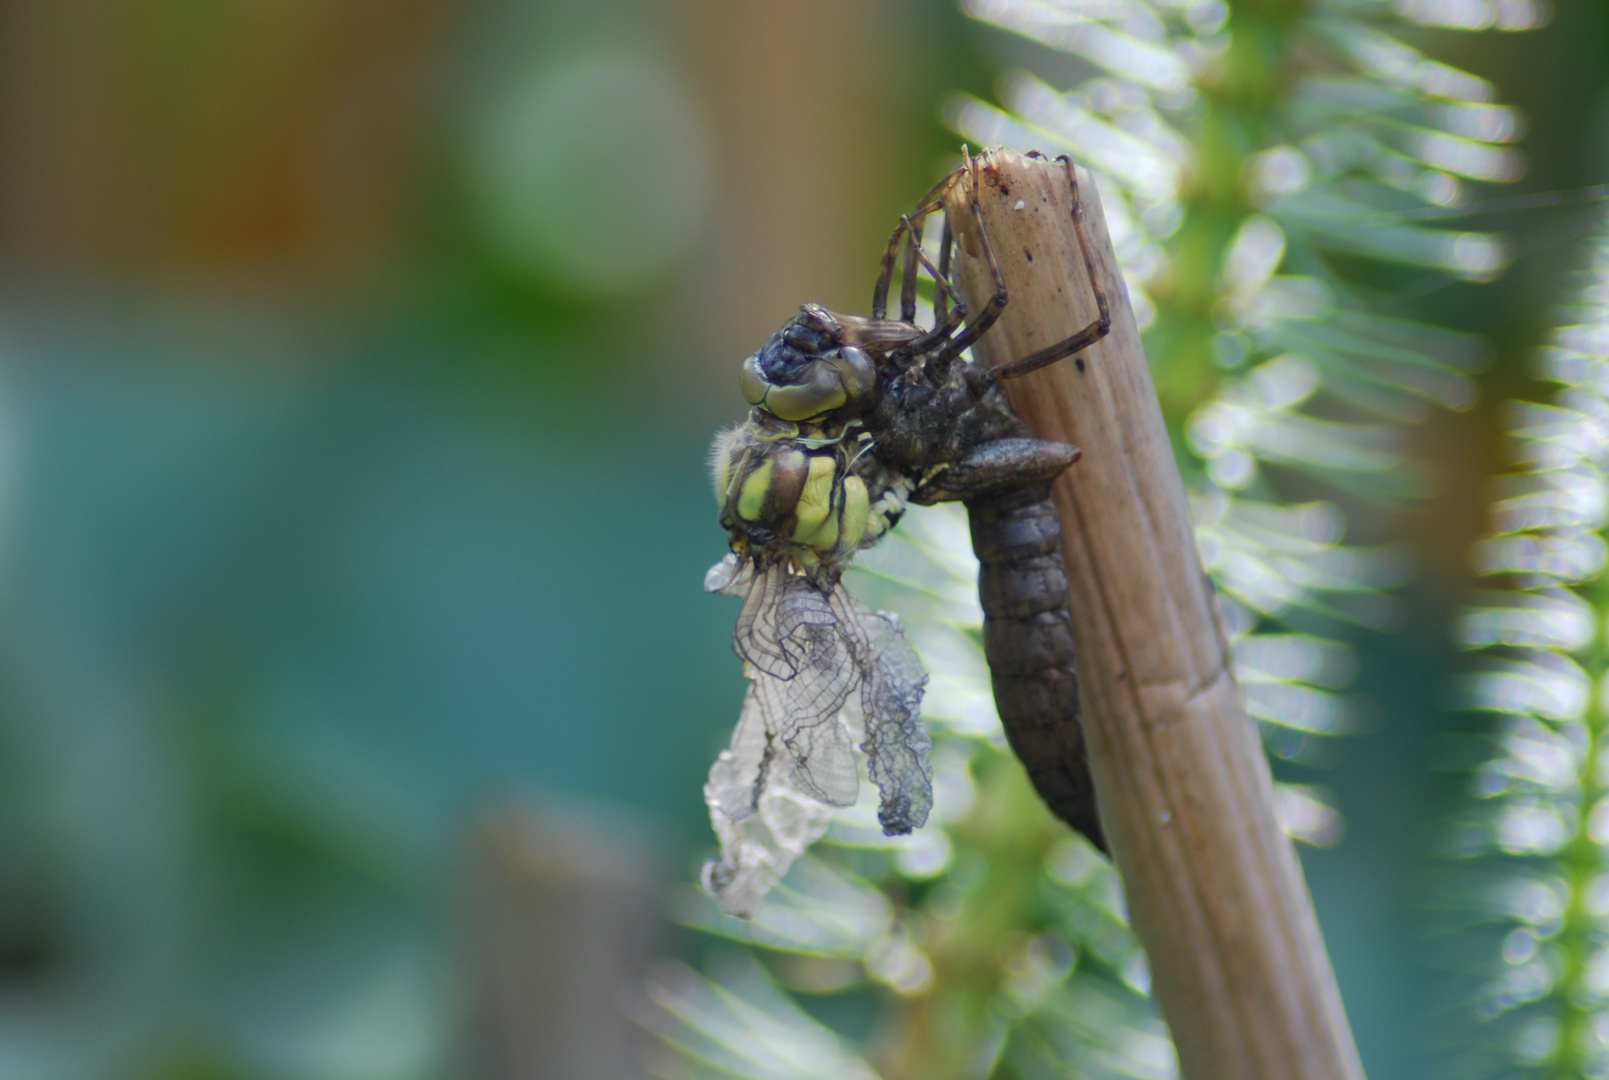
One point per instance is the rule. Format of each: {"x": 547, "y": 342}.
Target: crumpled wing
{"x": 756, "y": 636}
{"x": 757, "y": 851}
{"x": 738, "y": 777}
{"x": 763, "y": 822}
{"x": 804, "y": 668}
{"x": 820, "y": 751}
{"x": 729, "y": 577}
{"x": 786, "y": 626}
{"x": 772, "y": 792}
{"x": 897, "y": 746}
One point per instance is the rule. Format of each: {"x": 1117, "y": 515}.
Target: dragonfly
{"x": 853, "y": 418}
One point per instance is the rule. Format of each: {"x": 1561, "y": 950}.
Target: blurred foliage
{"x": 1271, "y": 173}
{"x": 1527, "y": 894}
{"x": 1268, "y": 169}
{"x": 340, "y": 490}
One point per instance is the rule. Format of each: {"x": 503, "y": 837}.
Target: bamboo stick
{"x": 1214, "y": 888}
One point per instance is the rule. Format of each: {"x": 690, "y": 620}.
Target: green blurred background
{"x": 357, "y": 366}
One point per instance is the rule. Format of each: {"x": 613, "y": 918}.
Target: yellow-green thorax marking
{"x": 786, "y": 490}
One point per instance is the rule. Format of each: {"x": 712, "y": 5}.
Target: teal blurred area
{"x": 358, "y": 362}
{"x": 276, "y": 632}
{"x": 479, "y": 587}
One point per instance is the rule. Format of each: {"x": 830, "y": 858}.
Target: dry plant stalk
{"x": 1214, "y": 887}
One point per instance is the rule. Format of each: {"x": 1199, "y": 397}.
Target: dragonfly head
{"x": 811, "y": 370}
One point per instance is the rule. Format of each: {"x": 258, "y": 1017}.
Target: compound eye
{"x": 859, "y": 377}
{"x": 821, "y": 391}
{"x": 751, "y": 381}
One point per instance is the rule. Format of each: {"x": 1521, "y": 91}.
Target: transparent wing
{"x": 786, "y": 627}
{"x": 897, "y": 742}
{"x": 755, "y": 638}
{"x": 762, "y": 820}
{"x": 821, "y": 756}
{"x": 731, "y": 576}
{"x": 805, "y": 662}
{"x": 771, "y": 793}
{"x": 758, "y": 849}
{"x": 737, "y": 779}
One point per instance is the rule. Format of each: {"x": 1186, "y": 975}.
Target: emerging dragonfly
{"x": 853, "y": 418}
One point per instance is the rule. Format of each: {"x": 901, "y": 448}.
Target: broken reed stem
{"x": 1214, "y": 888}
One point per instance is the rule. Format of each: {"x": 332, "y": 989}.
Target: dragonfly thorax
{"x": 807, "y": 493}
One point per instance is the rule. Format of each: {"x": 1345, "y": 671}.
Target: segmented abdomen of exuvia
{"x": 1028, "y": 641}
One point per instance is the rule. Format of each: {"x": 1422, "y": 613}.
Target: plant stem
{"x": 1214, "y": 887}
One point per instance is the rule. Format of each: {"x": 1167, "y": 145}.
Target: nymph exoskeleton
{"x": 854, "y": 417}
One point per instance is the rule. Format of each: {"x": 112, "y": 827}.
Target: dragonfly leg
{"x": 944, "y": 298}
{"x": 996, "y": 466}
{"x": 885, "y": 273}
{"x": 979, "y": 326}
